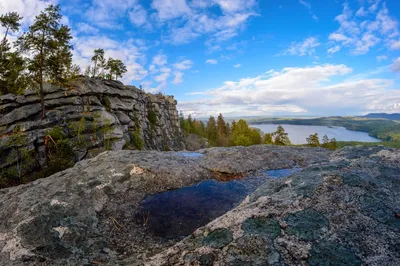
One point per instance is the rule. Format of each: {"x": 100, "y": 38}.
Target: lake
{"x": 298, "y": 134}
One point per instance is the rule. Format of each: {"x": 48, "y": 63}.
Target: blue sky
{"x": 245, "y": 57}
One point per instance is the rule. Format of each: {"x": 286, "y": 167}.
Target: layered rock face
{"x": 94, "y": 114}
{"x": 341, "y": 209}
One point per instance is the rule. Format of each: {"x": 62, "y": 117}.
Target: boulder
{"x": 342, "y": 208}
{"x": 87, "y": 214}
{"x": 342, "y": 212}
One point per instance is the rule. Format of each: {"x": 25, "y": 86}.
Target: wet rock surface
{"x": 341, "y": 209}
{"x": 341, "y": 212}
{"x": 86, "y": 214}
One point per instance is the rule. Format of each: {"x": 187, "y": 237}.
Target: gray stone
{"x": 344, "y": 211}
{"x": 123, "y": 118}
{"x": 19, "y": 114}
{"x": 87, "y": 98}
{"x": 72, "y": 216}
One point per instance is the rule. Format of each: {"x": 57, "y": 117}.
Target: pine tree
{"x": 98, "y": 61}
{"x": 49, "y": 44}
{"x": 268, "y": 138}
{"x": 212, "y": 131}
{"x": 255, "y": 136}
{"x": 60, "y": 59}
{"x": 11, "y": 22}
{"x": 12, "y": 64}
{"x": 115, "y": 67}
{"x": 325, "y": 139}
{"x": 223, "y": 139}
{"x": 313, "y": 140}
{"x": 241, "y": 134}
{"x": 281, "y": 137}
{"x": 12, "y": 77}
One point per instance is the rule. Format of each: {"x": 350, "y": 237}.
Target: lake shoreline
{"x": 299, "y": 133}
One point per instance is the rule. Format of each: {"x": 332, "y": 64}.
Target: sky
{"x": 244, "y": 57}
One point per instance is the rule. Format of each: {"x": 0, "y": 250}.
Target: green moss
{"x": 331, "y": 253}
{"x": 218, "y": 238}
{"x": 262, "y": 226}
{"x": 107, "y": 103}
{"x": 307, "y": 224}
{"x": 207, "y": 260}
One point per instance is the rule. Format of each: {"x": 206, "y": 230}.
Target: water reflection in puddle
{"x": 177, "y": 213}
{"x": 189, "y": 154}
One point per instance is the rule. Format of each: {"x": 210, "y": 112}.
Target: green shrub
{"x": 152, "y": 117}
{"x": 137, "y": 140}
{"x": 60, "y": 157}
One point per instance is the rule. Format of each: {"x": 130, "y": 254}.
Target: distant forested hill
{"x": 383, "y": 129}
{"x": 383, "y": 115}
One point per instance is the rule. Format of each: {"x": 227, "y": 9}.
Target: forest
{"x": 222, "y": 134}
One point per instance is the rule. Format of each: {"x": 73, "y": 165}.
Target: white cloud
{"x": 339, "y": 38}
{"x": 138, "y": 16}
{"x": 296, "y": 90}
{"x": 170, "y": 9}
{"x": 237, "y": 65}
{"x": 308, "y": 6}
{"x": 183, "y": 65}
{"x": 334, "y": 49}
{"x": 381, "y": 58}
{"x": 212, "y": 61}
{"x": 361, "y": 12}
{"x": 307, "y": 47}
{"x": 107, "y": 13}
{"x": 188, "y": 22}
{"x": 231, "y": 6}
{"x": 86, "y": 28}
{"x": 160, "y": 60}
{"x": 396, "y": 65}
{"x": 366, "y": 29}
{"x": 28, "y": 9}
{"x": 164, "y": 71}
{"x": 367, "y": 41}
{"x": 178, "y": 78}
{"x": 374, "y": 5}
{"x": 162, "y": 77}
{"x": 395, "y": 45}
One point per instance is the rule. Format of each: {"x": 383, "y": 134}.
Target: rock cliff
{"x": 92, "y": 115}
{"x": 342, "y": 208}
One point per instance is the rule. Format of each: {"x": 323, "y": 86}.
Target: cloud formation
{"x": 306, "y": 47}
{"x": 369, "y": 26}
{"x": 307, "y": 90}
{"x": 212, "y": 61}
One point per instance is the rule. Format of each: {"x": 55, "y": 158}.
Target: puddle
{"x": 282, "y": 172}
{"x": 190, "y": 154}
{"x": 177, "y": 213}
